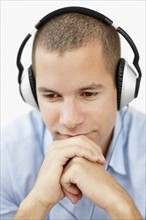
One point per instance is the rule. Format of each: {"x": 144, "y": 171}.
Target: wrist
{"x": 124, "y": 208}
{"x": 32, "y": 208}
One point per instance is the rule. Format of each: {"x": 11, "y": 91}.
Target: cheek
{"x": 105, "y": 111}
{"x": 104, "y": 118}
{"x": 49, "y": 114}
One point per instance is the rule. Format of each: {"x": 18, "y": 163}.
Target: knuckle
{"x": 83, "y": 137}
{"x": 54, "y": 145}
{"x": 53, "y": 150}
{"x": 76, "y": 160}
{"x": 80, "y": 138}
{"x": 100, "y": 150}
{"x": 77, "y": 163}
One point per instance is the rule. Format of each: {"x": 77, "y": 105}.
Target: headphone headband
{"x": 81, "y": 10}
{"x": 93, "y": 14}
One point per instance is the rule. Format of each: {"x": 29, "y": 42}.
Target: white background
{"x": 18, "y": 19}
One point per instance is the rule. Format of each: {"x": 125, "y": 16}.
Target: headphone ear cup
{"x": 28, "y": 88}
{"x": 119, "y": 80}
{"x": 32, "y": 82}
{"x": 126, "y": 79}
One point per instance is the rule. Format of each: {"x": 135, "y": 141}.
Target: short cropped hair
{"x": 71, "y": 31}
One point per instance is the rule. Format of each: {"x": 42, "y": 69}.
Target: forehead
{"x": 72, "y": 72}
{"x": 85, "y": 65}
{"x": 91, "y": 53}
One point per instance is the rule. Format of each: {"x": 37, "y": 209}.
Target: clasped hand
{"x": 73, "y": 167}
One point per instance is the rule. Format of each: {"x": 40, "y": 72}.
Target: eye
{"x": 89, "y": 95}
{"x": 51, "y": 96}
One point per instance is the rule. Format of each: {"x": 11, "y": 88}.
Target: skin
{"x": 77, "y": 94}
{"x": 78, "y": 102}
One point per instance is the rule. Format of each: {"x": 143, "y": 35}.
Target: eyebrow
{"x": 46, "y": 90}
{"x": 92, "y": 87}
{"x": 87, "y": 87}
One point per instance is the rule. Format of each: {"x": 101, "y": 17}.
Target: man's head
{"x": 74, "y": 60}
{"x": 71, "y": 31}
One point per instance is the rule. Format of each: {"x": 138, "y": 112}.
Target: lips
{"x": 64, "y": 135}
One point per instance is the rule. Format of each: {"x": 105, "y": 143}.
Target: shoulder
{"x": 22, "y": 156}
{"x": 133, "y": 122}
{"x": 133, "y": 139}
{"x": 134, "y": 155}
{"x": 29, "y": 125}
{"x": 23, "y": 137}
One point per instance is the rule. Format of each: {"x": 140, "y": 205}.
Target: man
{"x": 78, "y": 158}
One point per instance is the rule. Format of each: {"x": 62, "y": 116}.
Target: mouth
{"x": 70, "y": 135}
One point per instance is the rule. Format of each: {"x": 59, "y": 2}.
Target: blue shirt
{"x": 23, "y": 150}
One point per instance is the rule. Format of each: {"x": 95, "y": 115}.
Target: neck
{"x": 106, "y": 144}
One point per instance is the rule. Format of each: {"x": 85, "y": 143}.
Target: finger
{"x": 101, "y": 159}
{"x": 80, "y": 140}
{"x": 74, "y": 198}
{"x": 81, "y": 151}
{"x": 72, "y": 189}
{"x": 80, "y": 148}
{"x": 69, "y": 188}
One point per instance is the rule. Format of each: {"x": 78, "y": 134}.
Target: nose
{"x": 71, "y": 114}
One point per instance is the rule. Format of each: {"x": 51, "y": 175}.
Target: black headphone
{"x": 127, "y": 80}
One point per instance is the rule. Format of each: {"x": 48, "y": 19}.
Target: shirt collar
{"x": 115, "y": 157}
{"x": 46, "y": 140}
